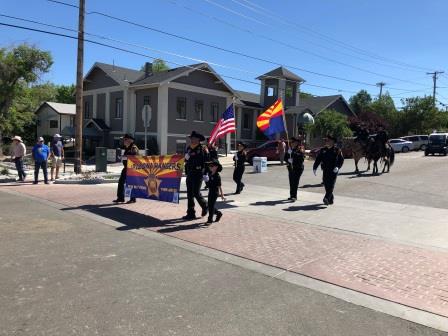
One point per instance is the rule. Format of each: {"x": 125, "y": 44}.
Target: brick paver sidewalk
{"x": 408, "y": 275}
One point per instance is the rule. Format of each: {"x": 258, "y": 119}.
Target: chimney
{"x": 148, "y": 69}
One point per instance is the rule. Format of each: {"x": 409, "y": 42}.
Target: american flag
{"x": 225, "y": 125}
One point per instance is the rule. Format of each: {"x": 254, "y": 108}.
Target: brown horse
{"x": 357, "y": 149}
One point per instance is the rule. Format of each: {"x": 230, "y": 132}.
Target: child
{"x": 215, "y": 189}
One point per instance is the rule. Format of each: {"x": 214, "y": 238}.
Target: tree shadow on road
{"x": 308, "y": 207}
{"x": 130, "y": 219}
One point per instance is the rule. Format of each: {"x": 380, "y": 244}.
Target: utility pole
{"x": 381, "y": 84}
{"x": 434, "y": 79}
{"x": 79, "y": 88}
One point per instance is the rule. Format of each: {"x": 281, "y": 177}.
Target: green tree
{"x": 419, "y": 116}
{"x": 360, "y": 101}
{"x": 65, "y": 94}
{"x": 158, "y": 65}
{"x": 384, "y": 107}
{"x": 332, "y": 122}
{"x": 19, "y": 67}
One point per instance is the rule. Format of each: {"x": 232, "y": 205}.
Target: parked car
{"x": 400, "y": 145}
{"x": 267, "y": 150}
{"x": 438, "y": 143}
{"x": 419, "y": 142}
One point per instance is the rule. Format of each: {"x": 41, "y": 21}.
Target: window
{"x": 181, "y": 108}
{"x": 289, "y": 91}
{"x": 271, "y": 91}
{"x": 119, "y": 108}
{"x": 146, "y": 100}
{"x": 247, "y": 120}
{"x": 86, "y": 110}
{"x": 214, "y": 110}
{"x": 199, "y": 110}
{"x": 53, "y": 124}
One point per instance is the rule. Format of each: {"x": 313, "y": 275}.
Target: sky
{"x": 338, "y": 46}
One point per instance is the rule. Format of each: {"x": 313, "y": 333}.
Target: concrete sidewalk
{"x": 65, "y": 273}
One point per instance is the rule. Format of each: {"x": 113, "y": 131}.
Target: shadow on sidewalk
{"x": 271, "y": 203}
{"x": 308, "y": 207}
{"x": 130, "y": 219}
{"x": 317, "y": 185}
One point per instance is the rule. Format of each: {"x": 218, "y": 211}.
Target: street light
{"x": 146, "y": 116}
{"x": 303, "y": 120}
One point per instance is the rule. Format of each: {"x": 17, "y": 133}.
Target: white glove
{"x": 187, "y": 156}
{"x": 289, "y": 151}
{"x": 205, "y": 178}
{"x": 335, "y": 170}
{"x": 235, "y": 157}
{"x": 314, "y": 172}
{"x": 290, "y": 161}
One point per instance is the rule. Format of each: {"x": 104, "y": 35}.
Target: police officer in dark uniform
{"x": 212, "y": 155}
{"x": 383, "y": 137}
{"x": 196, "y": 157}
{"x": 215, "y": 190}
{"x": 294, "y": 157}
{"x": 239, "y": 161}
{"x": 331, "y": 159}
{"x": 129, "y": 149}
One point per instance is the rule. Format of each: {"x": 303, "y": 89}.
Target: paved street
{"x": 376, "y": 250}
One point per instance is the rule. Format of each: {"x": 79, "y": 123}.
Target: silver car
{"x": 400, "y": 145}
{"x": 419, "y": 142}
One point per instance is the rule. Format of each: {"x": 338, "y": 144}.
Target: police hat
{"x": 128, "y": 136}
{"x": 242, "y": 144}
{"x": 197, "y": 135}
{"x": 215, "y": 162}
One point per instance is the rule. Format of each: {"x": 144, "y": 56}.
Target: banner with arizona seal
{"x": 154, "y": 177}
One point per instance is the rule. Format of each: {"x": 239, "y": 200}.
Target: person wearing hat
{"x": 57, "y": 156}
{"x": 196, "y": 157}
{"x": 18, "y": 152}
{"x": 214, "y": 189}
{"x": 294, "y": 157}
{"x": 41, "y": 152}
{"x": 331, "y": 159}
{"x": 239, "y": 160}
{"x": 129, "y": 149}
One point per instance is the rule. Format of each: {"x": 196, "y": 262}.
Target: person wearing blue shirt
{"x": 41, "y": 152}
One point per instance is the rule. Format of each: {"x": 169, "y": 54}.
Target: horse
{"x": 378, "y": 151}
{"x": 358, "y": 151}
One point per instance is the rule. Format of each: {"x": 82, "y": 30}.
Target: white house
{"x": 52, "y": 118}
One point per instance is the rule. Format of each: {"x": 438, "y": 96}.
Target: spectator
{"x": 57, "y": 156}
{"x": 281, "y": 149}
{"x": 18, "y": 152}
{"x": 41, "y": 152}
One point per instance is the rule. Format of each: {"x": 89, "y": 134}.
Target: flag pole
{"x": 236, "y": 126}
{"x": 284, "y": 123}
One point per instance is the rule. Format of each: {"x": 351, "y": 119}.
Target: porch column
{"x": 162, "y": 118}
{"x": 94, "y": 104}
{"x": 132, "y": 111}
{"x": 125, "y": 110}
{"x": 107, "y": 112}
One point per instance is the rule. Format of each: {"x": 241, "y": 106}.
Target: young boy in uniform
{"x": 214, "y": 189}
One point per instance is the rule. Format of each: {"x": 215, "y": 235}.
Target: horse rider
{"x": 331, "y": 159}
{"x": 196, "y": 157}
{"x": 294, "y": 157}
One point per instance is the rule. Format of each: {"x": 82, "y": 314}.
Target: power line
{"x": 291, "y": 46}
{"x": 267, "y": 13}
{"x": 216, "y": 47}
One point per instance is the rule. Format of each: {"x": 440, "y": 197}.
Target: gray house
{"x": 182, "y": 99}
{"x": 185, "y": 99}
{"x": 52, "y": 118}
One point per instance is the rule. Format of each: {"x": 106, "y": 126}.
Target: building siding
{"x": 101, "y": 106}
{"x": 341, "y": 107}
{"x": 201, "y": 79}
{"x": 116, "y": 124}
{"x": 186, "y": 126}
{"x": 98, "y": 79}
{"x": 139, "y": 100}
{"x": 44, "y": 115}
{"x": 88, "y": 100}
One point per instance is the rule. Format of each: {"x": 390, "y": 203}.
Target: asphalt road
{"x": 413, "y": 179}
{"x": 64, "y": 274}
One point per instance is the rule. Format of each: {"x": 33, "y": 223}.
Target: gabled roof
{"x": 69, "y": 109}
{"x": 248, "y": 99}
{"x": 119, "y": 74}
{"x": 99, "y": 124}
{"x": 282, "y": 72}
{"x": 315, "y": 105}
{"x": 164, "y": 76}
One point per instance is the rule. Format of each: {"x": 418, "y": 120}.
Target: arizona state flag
{"x": 271, "y": 121}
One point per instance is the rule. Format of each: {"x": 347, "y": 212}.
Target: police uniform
{"x": 214, "y": 183}
{"x": 195, "y": 164}
{"x": 294, "y": 158}
{"x": 239, "y": 160}
{"x": 132, "y": 149}
{"x": 329, "y": 158}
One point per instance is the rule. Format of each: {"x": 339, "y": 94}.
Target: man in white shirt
{"x": 18, "y": 152}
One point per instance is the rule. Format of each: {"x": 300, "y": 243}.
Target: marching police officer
{"x": 294, "y": 157}
{"x": 196, "y": 157}
{"x": 331, "y": 159}
{"x": 239, "y": 160}
{"x": 129, "y": 149}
